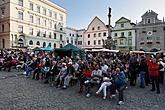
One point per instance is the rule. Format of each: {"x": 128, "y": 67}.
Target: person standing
{"x": 143, "y": 68}
{"x": 154, "y": 74}
{"x": 161, "y": 71}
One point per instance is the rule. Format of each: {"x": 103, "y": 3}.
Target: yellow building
{"x": 31, "y": 23}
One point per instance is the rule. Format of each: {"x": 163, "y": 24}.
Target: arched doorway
{"x": 38, "y": 43}
{"x": 20, "y": 42}
{"x": 30, "y": 42}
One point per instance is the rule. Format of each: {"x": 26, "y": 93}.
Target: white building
{"x": 31, "y": 23}
{"x": 74, "y": 37}
{"x": 95, "y": 35}
{"x": 123, "y": 34}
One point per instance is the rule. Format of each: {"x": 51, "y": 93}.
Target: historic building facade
{"x": 95, "y": 35}
{"x": 150, "y": 32}
{"x": 31, "y": 23}
{"x": 123, "y": 34}
{"x": 75, "y": 37}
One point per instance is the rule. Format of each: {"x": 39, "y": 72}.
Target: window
{"x": 115, "y": 35}
{"x": 129, "y": 41}
{"x": 38, "y": 32}
{"x": 72, "y": 41}
{"x": 122, "y": 34}
{"x": 44, "y": 44}
{"x": 98, "y": 27}
{"x": 31, "y": 31}
{"x": 94, "y": 42}
{"x": 20, "y": 29}
{"x": 70, "y": 34}
{"x": 94, "y": 35}
{"x": 129, "y": 33}
{"x": 93, "y": 28}
{"x": 60, "y": 36}
{"x": 44, "y": 34}
{"x": 54, "y": 35}
{"x": 143, "y": 31}
{"x": 55, "y": 26}
{"x": 55, "y": 15}
{"x": 121, "y": 41}
{"x": 99, "y": 42}
{"x": 44, "y": 11}
{"x": 54, "y": 45}
{"x": 50, "y": 13}
{"x": 31, "y": 19}
{"x": 3, "y": 28}
{"x": 3, "y": 11}
{"x": 61, "y": 29}
{"x": 154, "y": 29}
{"x": 75, "y": 42}
{"x": 31, "y": 6}
{"x": 50, "y": 35}
{"x": 105, "y": 34}
{"x": 20, "y": 15}
{"x": 79, "y": 42}
{"x": 38, "y": 43}
{"x": 50, "y": 45}
{"x": 50, "y": 24}
{"x": 88, "y": 35}
{"x": 88, "y": 42}
{"x": 67, "y": 40}
{"x": 38, "y": 9}
{"x": 20, "y": 3}
{"x": 44, "y": 22}
{"x": 148, "y": 21}
{"x": 61, "y": 17}
{"x": 30, "y": 42}
{"x": 38, "y": 21}
{"x": 122, "y": 25}
{"x": 99, "y": 35}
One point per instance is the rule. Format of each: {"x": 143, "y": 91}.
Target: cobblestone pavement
{"x": 20, "y": 93}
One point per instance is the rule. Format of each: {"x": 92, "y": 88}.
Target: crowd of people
{"x": 109, "y": 73}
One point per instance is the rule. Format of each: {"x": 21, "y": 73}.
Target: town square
{"x": 82, "y": 55}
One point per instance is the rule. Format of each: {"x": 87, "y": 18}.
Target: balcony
{"x": 149, "y": 41}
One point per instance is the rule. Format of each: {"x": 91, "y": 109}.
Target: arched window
{"x": 50, "y": 44}
{"x": 20, "y": 41}
{"x": 30, "y": 42}
{"x": 44, "y": 44}
{"x": 38, "y": 43}
{"x": 54, "y": 45}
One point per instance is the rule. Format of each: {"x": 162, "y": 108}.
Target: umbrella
{"x": 37, "y": 49}
{"x": 48, "y": 49}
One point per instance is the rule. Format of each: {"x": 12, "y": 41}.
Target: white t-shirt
{"x": 104, "y": 68}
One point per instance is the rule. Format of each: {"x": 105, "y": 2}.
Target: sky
{"x": 81, "y": 12}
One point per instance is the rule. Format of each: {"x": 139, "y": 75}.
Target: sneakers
{"x": 112, "y": 96}
{"x": 24, "y": 73}
{"x": 120, "y": 103}
{"x": 64, "y": 87}
{"x": 88, "y": 95}
{"x": 104, "y": 98}
{"x": 97, "y": 93}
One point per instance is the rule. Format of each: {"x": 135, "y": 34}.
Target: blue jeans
{"x": 28, "y": 70}
{"x": 142, "y": 78}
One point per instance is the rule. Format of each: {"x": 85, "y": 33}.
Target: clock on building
{"x": 149, "y": 33}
